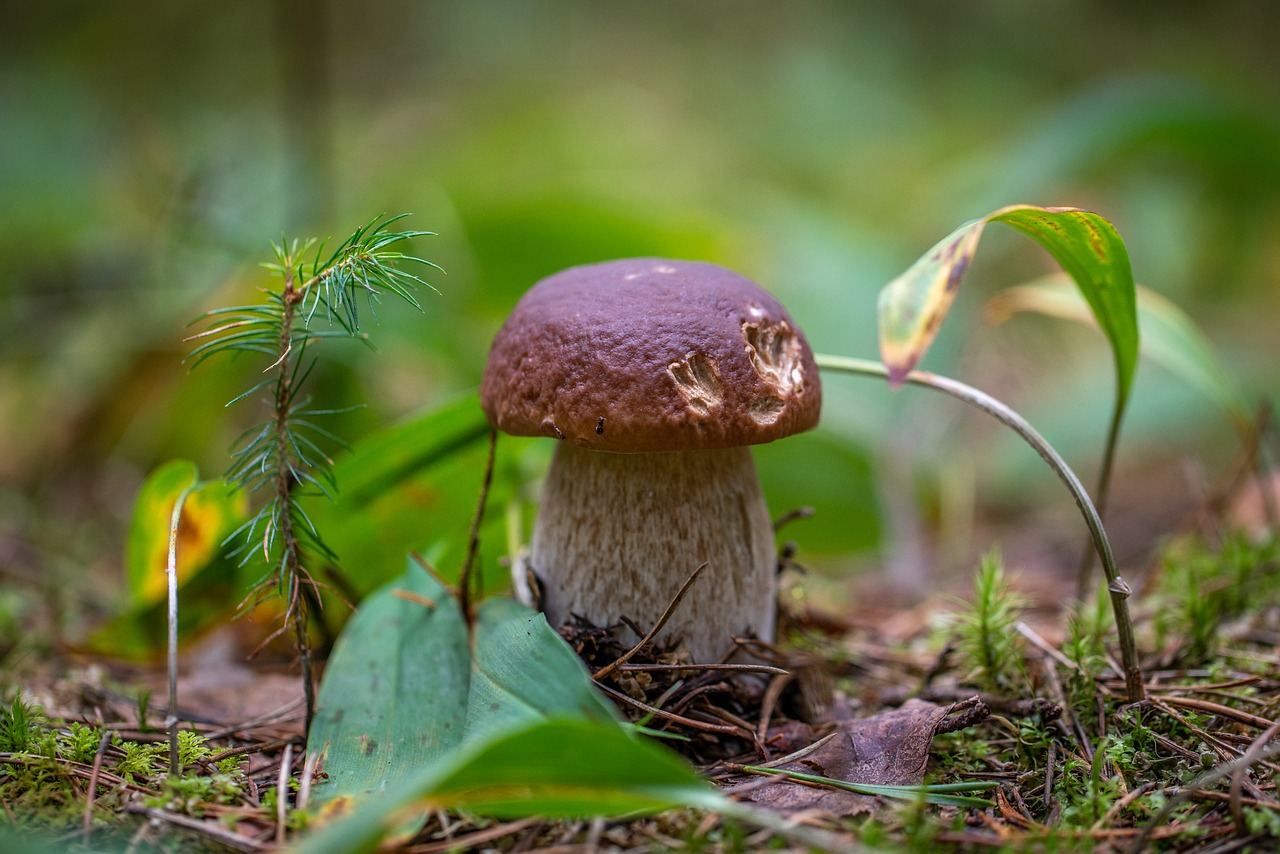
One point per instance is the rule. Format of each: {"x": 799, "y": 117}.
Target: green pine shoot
{"x": 319, "y": 296}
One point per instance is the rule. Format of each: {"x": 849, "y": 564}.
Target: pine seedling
{"x": 318, "y": 297}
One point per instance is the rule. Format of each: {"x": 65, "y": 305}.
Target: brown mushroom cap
{"x": 647, "y": 354}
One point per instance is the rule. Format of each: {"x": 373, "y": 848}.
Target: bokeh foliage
{"x": 150, "y": 152}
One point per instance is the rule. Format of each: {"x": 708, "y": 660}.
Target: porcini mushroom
{"x": 655, "y": 376}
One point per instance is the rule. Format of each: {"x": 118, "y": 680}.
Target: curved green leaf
{"x": 1086, "y": 246}
{"x": 550, "y": 768}
{"x": 564, "y": 767}
{"x": 1090, "y": 250}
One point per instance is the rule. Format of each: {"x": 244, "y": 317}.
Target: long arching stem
{"x": 1116, "y": 586}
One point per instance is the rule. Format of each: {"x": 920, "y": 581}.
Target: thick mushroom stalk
{"x": 618, "y": 534}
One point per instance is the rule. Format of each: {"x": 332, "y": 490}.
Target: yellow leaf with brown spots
{"x": 210, "y": 513}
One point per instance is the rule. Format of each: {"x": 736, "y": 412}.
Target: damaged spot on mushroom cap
{"x": 699, "y": 383}
{"x": 776, "y": 355}
{"x": 765, "y": 409}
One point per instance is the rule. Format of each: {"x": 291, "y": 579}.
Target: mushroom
{"x": 655, "y": 376}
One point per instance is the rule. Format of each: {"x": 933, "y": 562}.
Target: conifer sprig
{"x": 284, "y": 456}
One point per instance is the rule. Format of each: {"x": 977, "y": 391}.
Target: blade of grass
{"x": 935, "y": 793}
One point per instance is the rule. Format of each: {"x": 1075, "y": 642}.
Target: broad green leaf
{"x": 407, "y": 686}
{"x": 210, "y": 513}
{"x": 1169, "y": 337}
{"x": 1086, "y": 246}
{"x": 393, "y": 695}
{"x": 552, "y": 767}
{"x": 524, "y": 672}
{"x": 569, "y": 767}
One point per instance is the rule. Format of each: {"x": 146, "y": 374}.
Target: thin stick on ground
{"x": 608, "y": 669}
{"x": 671, "y": 716}
{"x": 473, "y": 539}
{"x": 93, "y": 783}
{"x": 282, "y": 794}
{"x": 210, "y": 829}
{"x": 1247, "y": 759}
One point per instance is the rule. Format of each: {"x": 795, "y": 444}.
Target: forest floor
{"x": 994, "y": 684}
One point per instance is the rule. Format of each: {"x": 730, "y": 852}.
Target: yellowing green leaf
{"x": 913, "y": 306}
{"x": 1086, "y": 246}
{"x": 1090, "y": 251}
{"x": 210, "y": 513}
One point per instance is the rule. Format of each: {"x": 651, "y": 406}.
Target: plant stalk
{"x": 296, "y": 608}
{"x": 1116, "y": 585}
{"x": 465, "y": 575}
{"x": 171, "y": 569}
{"x": 1103, "y": 493}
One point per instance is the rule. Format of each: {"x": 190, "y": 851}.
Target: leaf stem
{"x": 1102, "y": 491}
{"x": 171, "y": 569}
{"x": 1116, "y": 585}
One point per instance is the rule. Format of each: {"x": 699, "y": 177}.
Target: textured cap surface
{"x": 648, "y": 354}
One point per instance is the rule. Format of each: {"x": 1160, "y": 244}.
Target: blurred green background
{"x": 150, "y": 151}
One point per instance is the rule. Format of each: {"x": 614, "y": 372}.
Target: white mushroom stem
{"x": 618, "y": 534}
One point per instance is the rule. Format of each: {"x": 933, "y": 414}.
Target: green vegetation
{"x": 281, "y": 456}
{"x": 488, "y": 711}
{"x": 58, "y": 774}
{"x": 951, "y": 675}
{"x": 1063, "y": 763}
